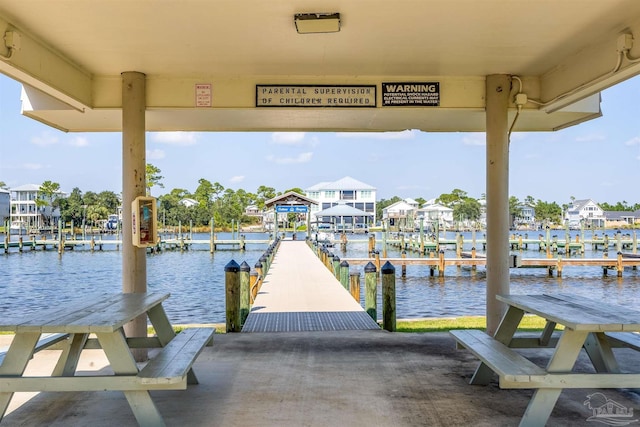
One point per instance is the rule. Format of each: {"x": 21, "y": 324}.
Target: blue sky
{"x": 599, "y": 159}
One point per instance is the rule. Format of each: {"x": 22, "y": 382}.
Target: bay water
{"x": 36, "y": 280}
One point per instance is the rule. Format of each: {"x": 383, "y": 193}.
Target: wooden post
{"x": 336, "y": 266}
{"x": 60, "y": 238}
{"x": 377, "y": 259}
{"x": 212, "y": 245}
{"x": 371, "y": 291}
{"x": 619, "y": 265}
{"x": 404, "y": 265}
{"x": 245, "y": 299}
{"x": 20, "y": 244}
{"x": 256, "y": 289}
{"x": 354, "y": 285}
{"x": 388, "y": 297}
{"x": 441, "y": 264}
{"x": 232, "y": 294}
{"x": 559, "y": 268}
{"x": 253, "y": 287}
{"x": 344, "y": 274}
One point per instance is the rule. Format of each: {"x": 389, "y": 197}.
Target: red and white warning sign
{"x": 203, "y": 95}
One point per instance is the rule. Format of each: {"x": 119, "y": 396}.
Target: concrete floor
{"x": 342, "y": 378}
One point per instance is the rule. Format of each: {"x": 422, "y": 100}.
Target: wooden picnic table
{"x": 588, "y": 324}
{"x": 104, "y": 316}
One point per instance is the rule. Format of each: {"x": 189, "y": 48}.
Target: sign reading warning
{"x": 315, "y": 96}
{"x": 411, "y": 94}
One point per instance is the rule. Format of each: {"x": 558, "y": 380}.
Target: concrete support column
{"x": 497, "y": 101}
{"x": 134, "y": 262}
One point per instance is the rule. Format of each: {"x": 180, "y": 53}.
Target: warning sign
{"x": 203, "y": 95}
{"x": 411, "y": 94}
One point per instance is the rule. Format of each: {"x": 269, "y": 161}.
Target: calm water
{"x": 32, "y": 280}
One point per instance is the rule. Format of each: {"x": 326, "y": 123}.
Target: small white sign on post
{"x": 203, "y": 95}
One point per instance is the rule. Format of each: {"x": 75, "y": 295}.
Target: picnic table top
{"x": 95, "y": 313}
{"x": 576, "y": 312}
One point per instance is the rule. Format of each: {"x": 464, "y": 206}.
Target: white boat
{"x": 18, "y": 227}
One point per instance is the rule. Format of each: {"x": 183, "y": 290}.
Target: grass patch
{"x": 529, "y": 323}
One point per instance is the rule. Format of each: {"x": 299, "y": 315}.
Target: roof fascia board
{"x": 587, "y": 72}
{"x": 41, "y": 67}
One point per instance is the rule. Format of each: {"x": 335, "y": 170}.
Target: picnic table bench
{"x": 103, "y": 316}
{"x": 593, "y": 325}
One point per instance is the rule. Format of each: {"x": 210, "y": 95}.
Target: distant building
{"x": 621, "y": 218}
{"x": 431, "y": 213}
{"x": 189, "y": 202}
{"x": 348, "y": 191}
{"x": 526, "y": 217}
{"x": 586, "y": 212}
{"x": 400, "y": 215}
{"x": 25, "y": 210}
{"x": 5, "y": 205}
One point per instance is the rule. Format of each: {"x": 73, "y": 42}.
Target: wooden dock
{"x": 300, "y": 294}
{"x": 554, "y": 264}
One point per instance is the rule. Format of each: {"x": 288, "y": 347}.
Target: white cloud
{"x": 477, "y": 138}
{"x": 287, "y": 138}
{"x": 155, "y": 154}
{"x": 175, "y": 138}
{"x": 79, "y": 141}
{"x": 236, "y": 179}
{"x": 44, "y": 140}
{"x": 633, "y": 141}
{"x": 405, "y": 134}
{"x": 300, "y": 158}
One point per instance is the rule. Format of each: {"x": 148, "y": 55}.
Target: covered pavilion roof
{"x": 206, "y": 62}
{"x": 290, "y": 198}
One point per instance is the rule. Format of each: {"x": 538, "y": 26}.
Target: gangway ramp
{"x": 300, "y": 294}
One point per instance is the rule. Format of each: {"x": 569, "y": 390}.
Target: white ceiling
{"x": 74, "y": 51}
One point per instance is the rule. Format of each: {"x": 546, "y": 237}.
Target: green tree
{"x": 153, "y": 177}
{"x": 451, "y": 199}
{"x": 3, "y": 186}
{"x": 109, "y": 200}
{"x": 548, "y": 212}
{"x": 515, "y": 211}
{"x": 264, "y": 193}
{"x": 467, "y": 209}
{"x": 49, "y": 192}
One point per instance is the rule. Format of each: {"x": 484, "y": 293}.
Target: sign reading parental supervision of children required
{"x": 316, "y": 96}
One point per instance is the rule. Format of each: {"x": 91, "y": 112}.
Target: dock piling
{"x": 388, "y": 297}
{"x": 371, "y": 290}
{"x": 232, "y": 293}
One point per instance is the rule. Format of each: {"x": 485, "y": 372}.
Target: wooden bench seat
{"x": 45, "y": 341}
{"x": 510, "y": 366}
{"x": 173, "y": 362}
{"x": 624, "y": 339}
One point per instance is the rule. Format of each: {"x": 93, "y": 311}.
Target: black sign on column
{"x": 411, "y": 94}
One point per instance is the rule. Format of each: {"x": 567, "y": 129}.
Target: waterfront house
{"x": 400, "y": 215}
{"x": 586, "y": 212}
{"x": 434, "y": 213}
{"x": 25, "y": 209}
{"x": 348, "y": 191}
{"x": 526, "y": 217}
{"x": 620, "y": 218}
{"x": 189, "y": 203}
{"x": 5, "y": 205}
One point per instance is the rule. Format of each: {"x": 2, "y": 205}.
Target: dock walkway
{"x": 300, "y": 294}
